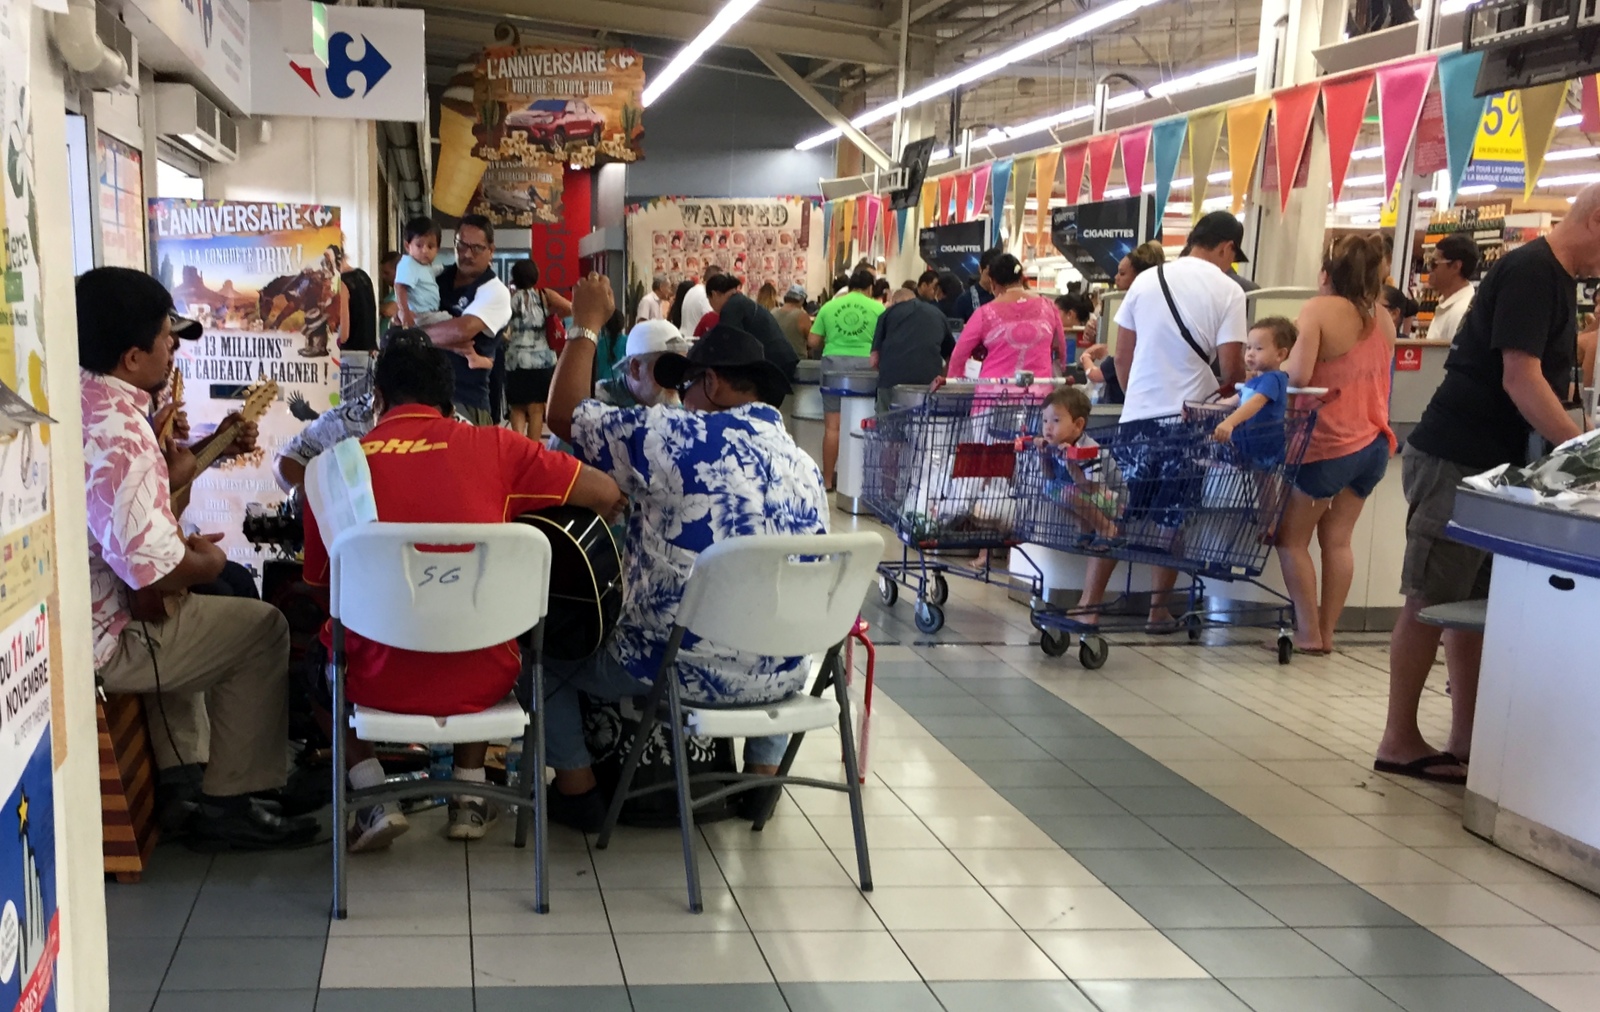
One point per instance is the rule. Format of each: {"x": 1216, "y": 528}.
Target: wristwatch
{"x": 583, "y": 333}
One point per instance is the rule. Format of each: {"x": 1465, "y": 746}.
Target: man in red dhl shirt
{"x": 428, "y": 468}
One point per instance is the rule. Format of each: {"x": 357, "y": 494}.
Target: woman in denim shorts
{"x": 1346, "y": 345}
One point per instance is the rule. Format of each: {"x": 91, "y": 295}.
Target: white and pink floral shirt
{"x": 134, "y": 540}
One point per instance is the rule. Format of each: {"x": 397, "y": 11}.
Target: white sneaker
{"x": 470, "y": 818}
{"x": 376, "y": 826}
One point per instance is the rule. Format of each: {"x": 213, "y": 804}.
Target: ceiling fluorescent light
{"x": 1366, "y": 153}
{"x": 1083, "y": 24}
{"x": 1582, "y": 179}
{"x": 1569, "y": 121}
{"x": 689, "y": 55}
{"x": 1477, "y": 190}
{"x": 1571, "y": 153}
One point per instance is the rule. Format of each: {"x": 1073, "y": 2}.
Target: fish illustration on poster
{"x": 260, "y": 278}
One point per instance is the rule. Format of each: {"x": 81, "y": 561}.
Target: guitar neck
{"x": 208, "y": 455}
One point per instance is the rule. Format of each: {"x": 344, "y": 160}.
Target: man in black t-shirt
{"x": 911, "y": 345}
{"x": 1509, "y": 370}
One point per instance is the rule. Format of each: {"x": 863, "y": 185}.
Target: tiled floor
{"x": 1191, "y": 828}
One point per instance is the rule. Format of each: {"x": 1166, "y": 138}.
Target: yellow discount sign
{"x": 1498, "y": 150}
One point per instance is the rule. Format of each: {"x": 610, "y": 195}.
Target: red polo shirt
{"x": 431, "y": 469}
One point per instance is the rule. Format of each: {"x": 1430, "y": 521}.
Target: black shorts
{"x": 528, "y": 386}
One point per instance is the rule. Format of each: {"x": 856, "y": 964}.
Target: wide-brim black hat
{"x": 726, "y": 349}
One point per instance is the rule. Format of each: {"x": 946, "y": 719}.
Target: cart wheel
{"x": 929, "y": 617}
{"x": 888, "y": 590}
{"x": 940, "y": 592}
{"x": 1093, "y": 651}
{"x": 1055, "y": 642}
{"x": 1193, "y": 624}
{"x": 1285, "y": 649}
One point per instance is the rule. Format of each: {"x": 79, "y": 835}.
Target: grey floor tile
{"x": 139, "y": 962}
{"x": 237, "y": 1001}
{"x": 1255, "y": 952}
{"x": 551, "y": 999}
{"x": 1196, "y": 907}
{"x": 1140, "y": 772}
{"x": 1041, "y": 723}
{"x": 943, "y": 706}
{"x": 1090, "y": 748}
{"x": 708, "y": 998}
{"x": 1162, "y": 996}
{"x": 1326, "y": 906}
{"x": 1010, "y": 749}
{"x": 1030, "y": 713}
{"x": 1163, "y": 866}
{"x": 1460, "y": 994}
{"x": 1099, "y": 832}
{"x": 955, "y": 726}
{"x": 143, "y": 909}
{"x": 133, "y": 1001}
{"x": 991, "y": 689}
{"x": 1168, "y": 801}
{"x": 222, "y": 912}
{"x": 300, "y": 870}
{"x": 1033, "y": 995}
{"x": 1266, "y": 866}
{"x": 1046, "y": 773}
{"x": 928, "y": 682}
{"x": 417, "y": 999}
{"x": 878, "y": 997}
{"x": 1394, "y": 952}
{"x": 173, "y": 864}
{"x": 255, "y": 964}
{"x": 1045, "y": 801}
{"x": 1323, "y": 995}
{"x": 1213, "y": 831}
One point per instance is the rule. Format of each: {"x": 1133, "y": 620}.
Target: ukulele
{"x": 150, "y": 604}
{"x": 175, "y": 398}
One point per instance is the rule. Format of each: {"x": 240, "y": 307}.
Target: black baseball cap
{"x": 1216, "y": 228}
{"x": 731, "y": 350}
{"x": 184, "y": 328}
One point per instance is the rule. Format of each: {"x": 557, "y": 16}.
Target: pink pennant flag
{"x": 963, "y": 196}
{"x": 1073, "y": 160}
{"x": 1102, "y": 152}
{"x": 874, "y": 209}
{"x": 1402, "y": 88}
{"x": 980, "y": 188}
{"x": 1135, "y": 149}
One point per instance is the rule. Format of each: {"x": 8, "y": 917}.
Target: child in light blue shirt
{"x": 415, "y": 286}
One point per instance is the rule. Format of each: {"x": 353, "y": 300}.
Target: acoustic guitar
{"x": 150, "y": 604}
{"x": 585, "y": 581}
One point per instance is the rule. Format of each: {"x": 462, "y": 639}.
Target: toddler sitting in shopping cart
{"x": 1077, "y": 474}
{"x": 1256, "y": 426}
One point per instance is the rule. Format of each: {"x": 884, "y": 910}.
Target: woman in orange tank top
{"x": 1346, "y": 345}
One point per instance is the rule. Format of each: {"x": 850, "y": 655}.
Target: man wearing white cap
{"x": 632, "y": 382}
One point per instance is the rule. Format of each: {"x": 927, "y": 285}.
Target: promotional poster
{"x": 1095, "y": 237}
{"x": 775, "y": 241}
{"x": 30, "y": 925}
{"x": 260, "y": 279}
{"x": 955, "y": 248}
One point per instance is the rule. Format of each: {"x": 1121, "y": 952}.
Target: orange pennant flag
{"x": 1247, "y": 124}
{"x": 1045, "y": 172}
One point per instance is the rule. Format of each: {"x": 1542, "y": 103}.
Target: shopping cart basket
{"x": 1163, "y": 492}
{"x": 940, "y": 475}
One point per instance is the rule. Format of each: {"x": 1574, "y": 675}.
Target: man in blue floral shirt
{"x": 725, "y": 468}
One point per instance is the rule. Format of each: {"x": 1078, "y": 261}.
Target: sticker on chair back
{"x": 440, "y": 570}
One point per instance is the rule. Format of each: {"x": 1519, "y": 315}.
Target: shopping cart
{"x": 940, "y": 475}
{"x": 1163, "y": 492}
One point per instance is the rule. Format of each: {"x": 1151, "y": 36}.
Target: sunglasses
{"x": 688, "y": 382}
{"x": 474, "y": 248}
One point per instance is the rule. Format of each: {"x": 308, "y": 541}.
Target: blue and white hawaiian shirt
{"x": 697, "y": 478}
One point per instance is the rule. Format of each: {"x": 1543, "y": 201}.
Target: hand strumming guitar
{"x": 181, "y": 463}
{"x": 179, "y": 419}
{"x": 245, "y": 440}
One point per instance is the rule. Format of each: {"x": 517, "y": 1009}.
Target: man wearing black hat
{"x": 1219, "y": 237}
{"x": 725, "y": 468}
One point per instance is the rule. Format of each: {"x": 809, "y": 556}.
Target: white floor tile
{"x": 976, "y": 955}
{"x": 847, "y": 956}
{"x": 718, "y": 957}
{"x": 1117, "y": 955}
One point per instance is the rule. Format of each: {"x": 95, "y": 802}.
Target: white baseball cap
{"x": 649, "y": 336}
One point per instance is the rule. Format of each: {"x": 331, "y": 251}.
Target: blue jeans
{"x": 604, "y": 677}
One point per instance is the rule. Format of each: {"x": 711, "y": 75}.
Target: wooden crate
{"x": 127, "y": 787}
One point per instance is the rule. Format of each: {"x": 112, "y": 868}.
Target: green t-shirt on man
{"x": 846, "y": 324}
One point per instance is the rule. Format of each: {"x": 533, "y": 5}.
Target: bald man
{"x": 1510, "y": 368}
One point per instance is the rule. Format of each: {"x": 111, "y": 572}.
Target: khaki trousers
{"x": 216, "y": 682}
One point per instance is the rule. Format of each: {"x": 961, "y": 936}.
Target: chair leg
{"x": 824, "y": 679}
{"x": 340, "y": 725}
{"x": 858, "y": 819}
{"x": 647, "y": 724}
{"x": 541, "y": 809}
{"x": 524, "y": 812}
{"x": 680, "y": 771}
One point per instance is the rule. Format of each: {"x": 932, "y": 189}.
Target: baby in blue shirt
{"x": 416, "y": 287}
{"x": 1256, "y": 426}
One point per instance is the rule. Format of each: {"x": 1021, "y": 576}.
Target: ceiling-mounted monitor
{"x": 914, "y": 164}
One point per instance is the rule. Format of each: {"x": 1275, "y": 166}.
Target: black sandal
{"x": 1420, "y": 769}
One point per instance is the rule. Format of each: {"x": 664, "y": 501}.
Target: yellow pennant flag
{"x": 1021, "y": 186}
{"x": 1540, "y": 108}
{"x": 1205, "y": 128}
{"x": 1247, "y": 124}
{"x": 929, "y": 204}
{"x": 847, "y": 232}
{"x": 1046, "y": 168}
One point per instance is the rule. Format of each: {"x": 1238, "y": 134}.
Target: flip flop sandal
{"x": 1419, "y": 769}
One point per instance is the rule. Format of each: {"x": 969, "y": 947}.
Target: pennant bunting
{"x": 964, "y": 196}
{"x": 1428, "y": 154}
{"x": 1247, "y": 124}
{"x": 980, "y": 188}
{"x": 1589, "y": 103}
{"x": 1002, "y": 183}
{"x": 1402, "y": 88}
{"x": 901, "y": 217}
{"x": 847, "y": 231}
{"x": 1102, "y": 154}
{"x": 1135, "y": 152}
{"x": 1205, "y": 129}
{"x": 1344, "y": 106}
{"x": 1073, "y": 160}
{"x": 1540, "y": 108}
{"x": 947, "y": 193}
{"x": 830, "y": 241}
{"x": 1021, "y": 187}
{"x": 928, "y": 206}
{"x": 1463, "y": 111}
{"x": 867, "y": 216}
{"x": 1045, "y": 168}
{"x": 1166, "y": 137}
{"x": 1292, "y": 110}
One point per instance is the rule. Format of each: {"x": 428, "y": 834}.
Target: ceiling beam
{"x": 788, "y": 75}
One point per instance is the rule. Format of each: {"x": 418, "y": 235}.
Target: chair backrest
{"x": 782, "y": 595}
{"x": 440, "y": 588}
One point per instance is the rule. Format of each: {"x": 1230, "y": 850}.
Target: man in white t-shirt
{"x": 481, "y": 306}
{"x": 1454, "y": 260}
{"x": 696, "y": 303}
{"x": 654, "y": 305}
{"x": 1163, "y": 369}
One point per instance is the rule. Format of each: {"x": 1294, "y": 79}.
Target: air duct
{"x": 100, "y": 67}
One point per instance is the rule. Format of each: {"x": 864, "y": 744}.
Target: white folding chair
{"x": 777, "y": 595}
{"x": 391, "y": 584}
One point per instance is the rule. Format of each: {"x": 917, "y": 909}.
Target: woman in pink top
{"x": 1345, "y": 345}
{"x": 1019, "y": 331}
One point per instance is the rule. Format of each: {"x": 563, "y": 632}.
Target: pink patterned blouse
{"x": 133, "y": 537}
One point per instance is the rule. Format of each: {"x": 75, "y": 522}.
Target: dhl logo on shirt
{"x": 400, "y": 446}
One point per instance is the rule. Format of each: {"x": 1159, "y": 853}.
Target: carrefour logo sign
{"x": 343, "y": 67}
